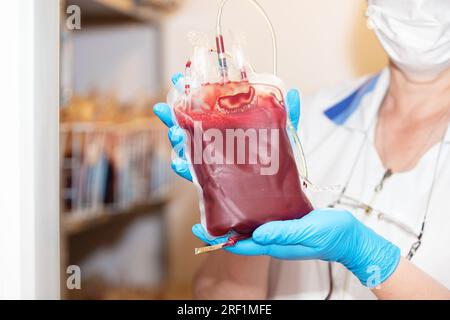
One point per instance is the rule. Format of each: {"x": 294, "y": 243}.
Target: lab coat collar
{"x": 371, "y": 96}
{"x": 358, "y": 111}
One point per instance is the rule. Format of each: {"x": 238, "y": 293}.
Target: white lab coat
{"x": 332, "y": 128}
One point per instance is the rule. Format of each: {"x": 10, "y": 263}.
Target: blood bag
{"x": 244, "y": 155}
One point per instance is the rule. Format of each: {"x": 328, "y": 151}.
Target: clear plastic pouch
{"x": 244, "y": 155}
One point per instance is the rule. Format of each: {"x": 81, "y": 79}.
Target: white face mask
{"x": 414, "y": 33}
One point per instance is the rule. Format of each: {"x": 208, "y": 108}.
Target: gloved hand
{"x": 177, "y": 136}
{"x": 329, "y": 235}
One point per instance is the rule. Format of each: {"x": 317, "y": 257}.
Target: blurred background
{"x": 125, "y": 217}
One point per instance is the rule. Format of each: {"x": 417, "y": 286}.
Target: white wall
{"x": 320, "y": 43}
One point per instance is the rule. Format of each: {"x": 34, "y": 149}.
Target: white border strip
{"x": 29, "y": 202}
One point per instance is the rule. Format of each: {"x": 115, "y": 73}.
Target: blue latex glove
{"x": 329, "y": 235}
{"x": 177, "y": 136}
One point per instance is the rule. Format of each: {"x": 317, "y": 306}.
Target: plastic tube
{"x": 187, "y": 78}
{"x": 221, "y": 46}
{"x": 224, "y": 67}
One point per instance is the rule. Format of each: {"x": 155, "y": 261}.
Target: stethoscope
{"x": 418, "y": 243}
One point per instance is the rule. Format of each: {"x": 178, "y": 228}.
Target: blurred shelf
{"x": 75, "y": 224}
{"x": 120, "y": 11}
{"x": 97, "y": 289}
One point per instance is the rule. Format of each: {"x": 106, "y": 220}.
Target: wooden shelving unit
{"x": 84, "y": 232}
{"x": 76, "y": 224}
{"x": 120, "y": 11}
{"x": 82, "y": 235}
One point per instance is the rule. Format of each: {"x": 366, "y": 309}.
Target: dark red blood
{"x": 237, "y": 197}
{"x": 237, "y": 101}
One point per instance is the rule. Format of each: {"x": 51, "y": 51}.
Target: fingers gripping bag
{"x": 244, "y": 154}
